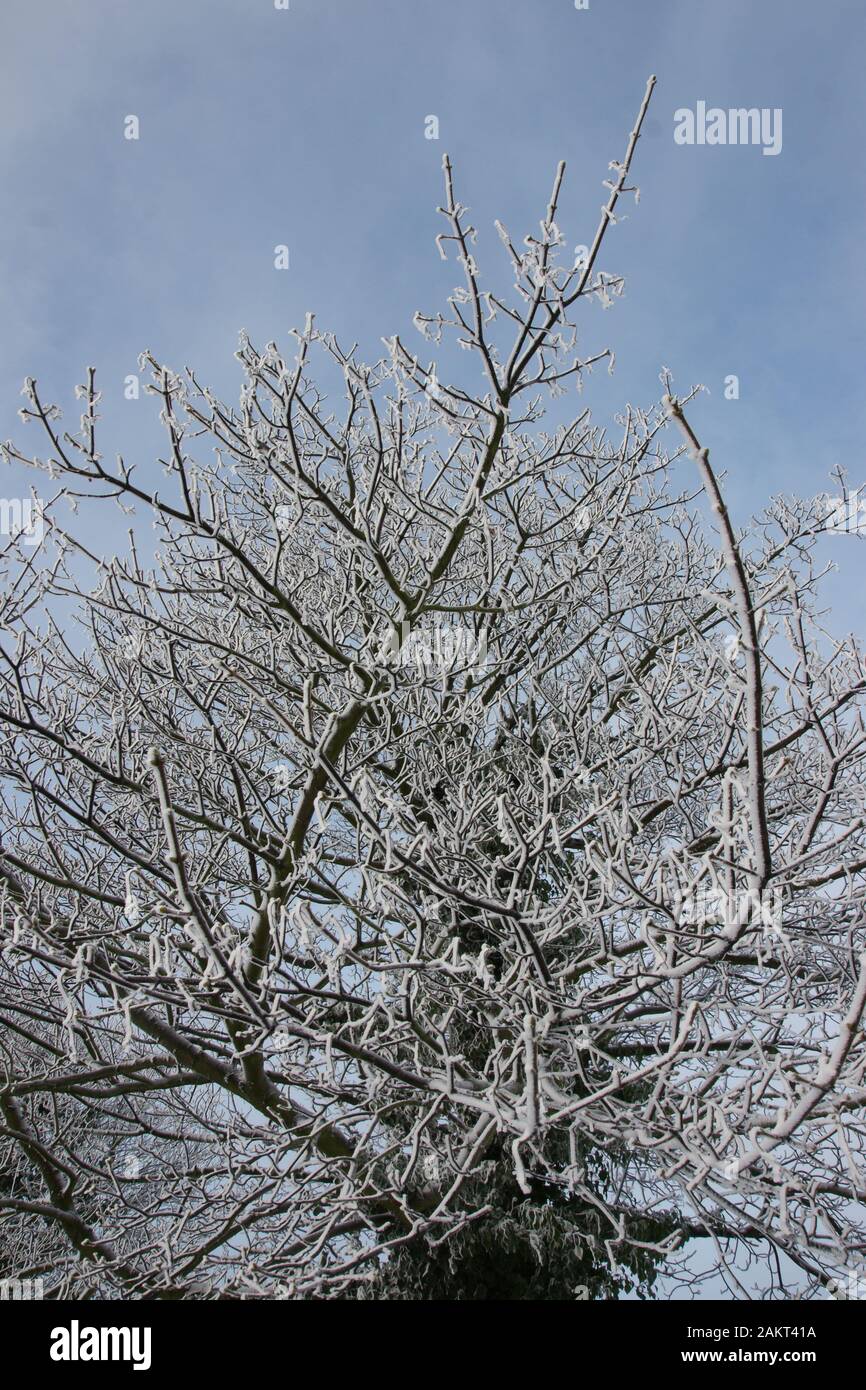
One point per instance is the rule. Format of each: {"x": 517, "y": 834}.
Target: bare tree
{"x": 452, "y": 832}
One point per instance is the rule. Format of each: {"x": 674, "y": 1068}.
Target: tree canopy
{"x": 437, "y": 869}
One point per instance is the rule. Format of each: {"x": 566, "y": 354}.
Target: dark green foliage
{"x": 545, "y": 1246}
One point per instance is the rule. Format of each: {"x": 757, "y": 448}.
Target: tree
{"x": 448, "y": 843}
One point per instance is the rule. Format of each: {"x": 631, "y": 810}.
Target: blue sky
{"x": 306, "y": 127}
